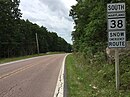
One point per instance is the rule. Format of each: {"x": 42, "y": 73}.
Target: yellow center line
{"x": 16, "y": 71}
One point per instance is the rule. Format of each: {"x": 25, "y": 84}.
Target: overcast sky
{"x": 53, "y": 14}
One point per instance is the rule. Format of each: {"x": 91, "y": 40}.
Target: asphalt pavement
{"x": 36, "y": 77}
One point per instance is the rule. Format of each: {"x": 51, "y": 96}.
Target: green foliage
{"x": 95, "y": 79}
{"x": 90, "y": 42}
{"x": 125, "y": 71}
{"x": 91, "y": 24}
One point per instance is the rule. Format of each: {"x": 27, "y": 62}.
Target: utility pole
{"x": 37, "y": 43}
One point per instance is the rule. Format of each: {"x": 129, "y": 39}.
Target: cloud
{"x": 54, "y": 5}
{"x": 53, "y": 14}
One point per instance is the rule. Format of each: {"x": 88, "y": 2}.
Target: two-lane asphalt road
{"x": 36, "y": 77}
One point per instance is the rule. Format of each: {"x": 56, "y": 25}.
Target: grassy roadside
{"x": 92, "y": 81}
{"x": 4, "y": 60}
{"x": 75, "y": 87}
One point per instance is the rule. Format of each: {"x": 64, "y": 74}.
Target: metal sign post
{"x": 117, "y": 72}
{"x": 116, "y": 33}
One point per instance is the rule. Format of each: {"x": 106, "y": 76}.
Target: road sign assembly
{"x": 116, "y": 25}
{"x": 116, "y": 33}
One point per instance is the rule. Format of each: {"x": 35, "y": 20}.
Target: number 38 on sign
{"x": 116, "y": 24}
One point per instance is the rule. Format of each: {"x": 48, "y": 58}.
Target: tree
{"x": 17, "y": 36}
{"x": 90, "y": 33}
{"x": 9, "y": 14}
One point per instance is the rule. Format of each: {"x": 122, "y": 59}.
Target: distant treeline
{"x": 18, "y": 37}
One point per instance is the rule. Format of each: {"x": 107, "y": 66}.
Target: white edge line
{"x": 22, "y": 60}
{"x": 59, "y": 90}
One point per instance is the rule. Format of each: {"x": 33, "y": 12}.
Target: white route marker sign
{"x": 116, "y": 25}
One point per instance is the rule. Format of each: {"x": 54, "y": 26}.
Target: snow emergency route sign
{"x": 116, "y": 25}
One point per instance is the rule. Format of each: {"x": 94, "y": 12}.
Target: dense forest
{"x": 18, "y": 37}
{"x": 90, "y": 17}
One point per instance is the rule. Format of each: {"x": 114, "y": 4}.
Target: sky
{"x": 52, "y": 14}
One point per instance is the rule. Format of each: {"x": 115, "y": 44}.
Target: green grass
{"x": 5, "y": 60}
{"x": 93, "y": 80}
{"x": 75, "y": 79}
